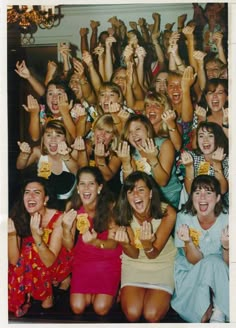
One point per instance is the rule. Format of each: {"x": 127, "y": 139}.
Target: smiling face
{"x": 34, "y": 198}
{"x": 137, "y": 133}
{"x": 217, "y": 98}
{"x": 88, "y": 189}
{"x": 154, "y": 110}
{"x": 174, "y": 89}
{"x": 204, "y": 202}
{"x": 51, "y": 139}
{"x": 212, "y": 70}
{"x": 103, "y": 135}
{"x": 74, "y": 84}
{"x": 206, "y": 141}
{"x": 107, "y": 97}
{"x": 52, "y": 98}
{"x": 140, "y": 198}
{"x": 161, "y": 82}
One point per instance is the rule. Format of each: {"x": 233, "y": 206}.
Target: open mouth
{"x": 152, "y": 116}
{"x": 138, "y": 142}
{"x": 31, "y": 204}
{"x": 138, "y": 204}
{"x": 176, "y": 96}
{"x": 203, "y": 206}
{"x": 53, "y": 147}
{"x": 215, "y": 103}
{"x": 55, "y": 106}
{"x": 86, "y": 195}
{"x": 206, "y": 147}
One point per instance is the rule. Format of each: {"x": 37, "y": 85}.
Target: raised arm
{"x": 23, "y": 71}
{"x": 95, "y": 78}
{"x": 33, "y": 109}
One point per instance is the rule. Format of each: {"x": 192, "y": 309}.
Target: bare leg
{"x": 132, "y": 302}
{"x": 156, "y": 304}
{"x": 102, "y": 303}
{"x": 79, "y": 302}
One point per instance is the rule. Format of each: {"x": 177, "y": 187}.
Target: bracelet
{"x": 226, "y": 126}
{"x": 102, "y": 245}
{"x": 172, "y": 130}
{"x": 148, "y": 250}
{"x": 225, "y": 249}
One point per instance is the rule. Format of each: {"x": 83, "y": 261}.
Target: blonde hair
{"x": 103, "y": 121}
{"x": 158, "y": 98}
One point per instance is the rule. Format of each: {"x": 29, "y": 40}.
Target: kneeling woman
{"x": 147, "y": 279}
{"x": 96, "y": 265}
{"x": 201, "y": 265}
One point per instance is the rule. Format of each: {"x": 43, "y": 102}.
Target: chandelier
{"x": 28, "y": 18}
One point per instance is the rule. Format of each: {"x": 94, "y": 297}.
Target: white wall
{"x": 77, "y": 16}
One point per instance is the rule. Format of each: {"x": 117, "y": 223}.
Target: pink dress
{"x": 95, "y": 270}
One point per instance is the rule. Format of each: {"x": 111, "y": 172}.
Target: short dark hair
{"x": 208, "y": 182}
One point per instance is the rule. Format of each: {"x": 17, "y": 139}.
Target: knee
{"x": 155, "y": 314}
{"x": 77, "y": 308}
{"x": 101, "y": 308}
{"x": 132, "y": 313}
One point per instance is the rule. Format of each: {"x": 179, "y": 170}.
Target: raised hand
{"x": 63, "y": 149}
{"x": 218, "y": 155}
{"x": 22, "y": 70}
{"x": 201, "y": 113}
{"x": 32, "y": 105}
{"x": 183, "y": 233}
{"x": 123, "y": 152}
{"x": 68, "y": 219}
{"x": 186, "y": 158}
{"x": 89, "y": 236}
{"x": 188, "y": 78}
{"x": 169, "y": 117}
{"x": 79, "y": 144}
{"x": 121, "y": 235}
{"x": 146, "y": 235}
{"x": 24, "y": 147}
{"x": 35, "y": 222}
{"x": 11, "y": 227}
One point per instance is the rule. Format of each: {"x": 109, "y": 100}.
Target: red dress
{"x": 30, "y": 277}
{"x": 95, "y": 270}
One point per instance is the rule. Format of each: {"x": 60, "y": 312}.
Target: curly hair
{"x": 18, "y": 213}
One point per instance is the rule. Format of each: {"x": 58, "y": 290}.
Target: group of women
{"x": 125, "y": 195}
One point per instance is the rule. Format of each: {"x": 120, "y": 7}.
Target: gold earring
{"x": 99, "y": 192}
